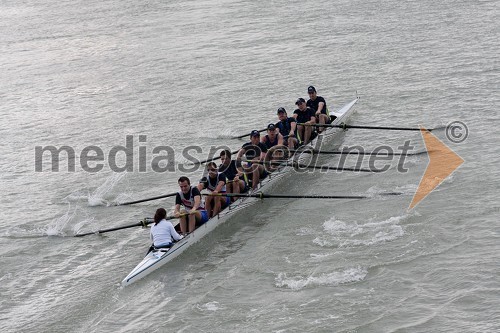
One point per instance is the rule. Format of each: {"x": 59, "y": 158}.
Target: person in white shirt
{"x": 163, "y": 232}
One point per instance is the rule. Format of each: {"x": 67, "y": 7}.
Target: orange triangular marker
{"x": 442, "y": 162}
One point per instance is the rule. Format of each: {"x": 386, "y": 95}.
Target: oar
{"x": 345, "y": 126}
{"x": 143, "y": 223}
{"x": 214, "y": 158}
{"x": 244, "y": 135}
{"x": 261, "y": 195}
{"x": 354, "y": 152}
{"x": 147, "y": 199}
{"x": 303, "y": 166}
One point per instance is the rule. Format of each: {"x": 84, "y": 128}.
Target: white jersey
{"x": 163, "y": 232}
{"x": 188, "y": 200}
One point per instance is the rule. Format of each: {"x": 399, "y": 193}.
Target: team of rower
{"x": 237, "y": 176}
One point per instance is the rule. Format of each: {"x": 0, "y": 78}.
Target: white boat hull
{"x": 156, "y": 259}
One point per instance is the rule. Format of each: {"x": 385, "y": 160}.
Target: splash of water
{"x": 408, "y": 189}
{"x": 62, "y": 225}
{"x": 56, "y": 227}
{"x": 79, "y": 225}
{"x": 101, "y": 194}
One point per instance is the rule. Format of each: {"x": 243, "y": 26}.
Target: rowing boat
{"x": 157, "y": 258}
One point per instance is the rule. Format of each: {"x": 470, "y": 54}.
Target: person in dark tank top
{"x": 273, "y": 137}
{"x": 288, "y": 128}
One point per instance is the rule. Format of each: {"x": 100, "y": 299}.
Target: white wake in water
{"x": 228, "y": 133}
{"x": 341, "y": 234}
{"x": 59, "y": 226}
{"x": 336, "y": 278}
{"x": 210, "y": 306}
{"x": 408, "y": 189}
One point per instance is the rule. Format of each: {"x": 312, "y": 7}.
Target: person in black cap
{"x": 214, "y": 182}
{"x": 304, "y": 115}
{"x": 288, "y": 128}
{"x": 273, "y": 137}
{"x": 254, "y": 151}
{"x": 318, "y": 104}
{"x": 234, "y": 178}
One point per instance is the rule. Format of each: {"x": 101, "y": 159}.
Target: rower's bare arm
{"x": 219, "y": 187}
{"x": 321, "y": 105}
{"x": 197, "y": 201}
{"x": 174, "y": 233}
{"x": 177, "y": 210}
{"x": 280, "y": 139}
{"x": 240, "y": 154}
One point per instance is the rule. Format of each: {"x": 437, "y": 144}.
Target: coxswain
{"x": 190, "y": 198}
{"x": 214, "y": 182}
{"x": 163, "y": 233}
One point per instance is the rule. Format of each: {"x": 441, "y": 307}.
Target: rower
{"x": 304, "y": 115}
{"x": 234, "y": 178}
{"x": 189, "y": 197}
{"x": 214, "y": 182}
{"x": 273, "y": 137}
{"x": 288, "y": 128}
{"x": 318, "y": 105}
{"x": 254, "y": 151}
{"x": 273, "y": 156}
